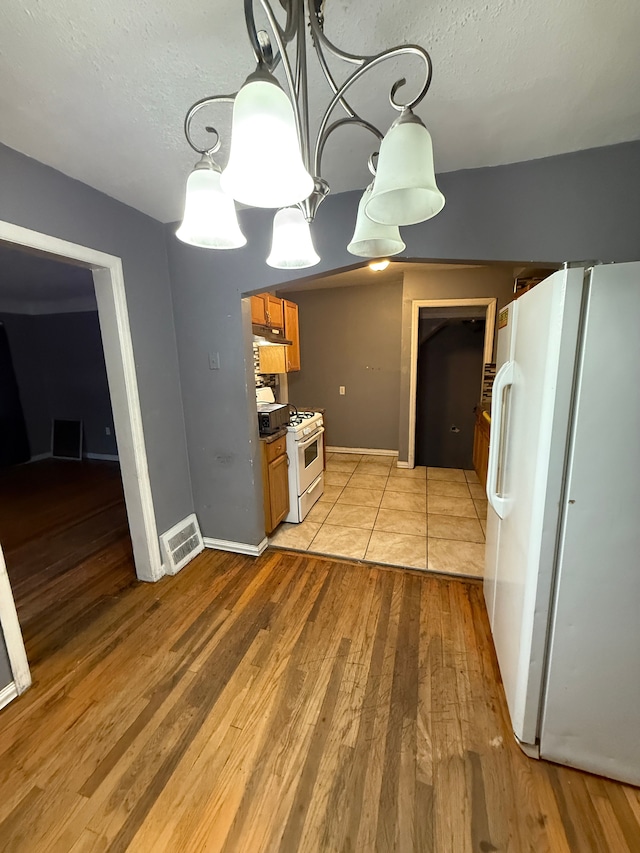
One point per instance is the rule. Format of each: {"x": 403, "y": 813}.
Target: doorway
{"x": 63, "y": 523}
{"x": 480, "y": 309}
{"x": 449, "y": 374}
{"x": 110, "y": 296}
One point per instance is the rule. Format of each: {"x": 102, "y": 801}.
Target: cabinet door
{"x": 481, "y": 448}
{"x": 272, "y": 359}
{"x": 258, "y": 310}
{"x": 291, "y": 333}
{"x": 275, "y": 311}
{"x": 278, "y": 489}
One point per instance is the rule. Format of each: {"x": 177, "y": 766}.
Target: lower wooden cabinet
{"x": 275, "y": 482}
{"x": 481, "y": 446}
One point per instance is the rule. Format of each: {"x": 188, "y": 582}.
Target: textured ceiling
{"x": 99, "y": 91}
{"x": 360, "y": 276}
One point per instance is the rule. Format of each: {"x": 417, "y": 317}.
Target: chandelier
{"x": 274, "y": 163}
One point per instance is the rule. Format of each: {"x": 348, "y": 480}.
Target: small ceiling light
{"x": 265, "y": 165}
{"x": 372, "y": 240}
{"x": 378, "y": 266}
{"x": 292, "y": 246}
{"x": 210, "y": 219}
{"x": 404, "y": 190}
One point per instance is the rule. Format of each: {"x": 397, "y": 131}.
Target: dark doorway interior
{"x": 450, "y": 363}
{"x": 63, "y": 522}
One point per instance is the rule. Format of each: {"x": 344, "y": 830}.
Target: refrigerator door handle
{"x": 503, "y": 380}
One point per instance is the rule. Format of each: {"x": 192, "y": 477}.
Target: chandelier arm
{"x": 302, "y": 90}
{"x": 316, "y": 20}
{"x": 281, "y": 44}
{"x": 316, "y": 33}
{"x": 341, "y": 122}
{"x": 330, "y": 79}
{"x": 262, "y": 49}
{"x": 402, "y": 50}
{"x": 292, "y": 23}
{"x": 252, "y": 32}
{"x": 192, "y": 112}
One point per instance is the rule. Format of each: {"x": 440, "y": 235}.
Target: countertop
{"x": 276, "y": 435}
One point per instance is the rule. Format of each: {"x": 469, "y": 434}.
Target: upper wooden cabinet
{"x": 267, "y": 310}
{"x": 259, "y": 310}
{"x": 291, "y": 333}
{"x": 275, "y": 312}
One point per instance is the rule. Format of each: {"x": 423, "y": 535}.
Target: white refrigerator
{"x": 562, "y": 579}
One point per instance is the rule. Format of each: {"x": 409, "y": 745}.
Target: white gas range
{"x": 305, "y": 449}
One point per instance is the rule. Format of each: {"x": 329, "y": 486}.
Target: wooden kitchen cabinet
{"x": 259, "y": 310}
{"x": 275, "y": 482}
{"x": 481, "y": 445}
{"x": 283, "y": 359}
{"x": 272, "y": 359}
{"x": 291, "y": 333}
{"x": 267, "y": 310}
{"x": 275, "y": 311}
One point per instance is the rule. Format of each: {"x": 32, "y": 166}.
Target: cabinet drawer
{"x": 276, "y": 448}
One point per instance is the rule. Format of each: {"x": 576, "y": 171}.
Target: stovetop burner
{"x": 298, "y": 417}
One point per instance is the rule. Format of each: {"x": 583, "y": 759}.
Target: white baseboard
{"x": 8, "y": 694}
{"x": 236, "y": 547}
{"x": 105, "y": 457}
{"x": 403, "y": 465}
{"x": 40, "y": 456}
{"x": 369, "y": 450}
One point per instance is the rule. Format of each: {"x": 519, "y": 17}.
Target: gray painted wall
{"x": 219, "y": 405}
{"x": 33, "y": 393}
{"x": 351, "y": 336}
{"x": 38, "y": 197}
{"x": 6, "y": 676}
{"x": 581, "y": 205}
{"x": 59, "y": 365}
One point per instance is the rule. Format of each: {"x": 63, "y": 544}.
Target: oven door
{"x": 310, "y": 460}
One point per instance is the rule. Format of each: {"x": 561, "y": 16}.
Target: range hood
{"x": 265, "y": 335}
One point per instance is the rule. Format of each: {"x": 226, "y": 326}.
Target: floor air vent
{"x": 181, "y": 544}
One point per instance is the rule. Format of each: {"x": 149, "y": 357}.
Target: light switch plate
{"x": 214, "y": 361}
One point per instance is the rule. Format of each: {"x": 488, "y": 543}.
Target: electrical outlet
{"x": 214, "y": 361}
{"x": 343, "y": 390}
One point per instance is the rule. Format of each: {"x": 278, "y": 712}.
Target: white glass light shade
{"x": 265, "y": 166}
{"x": 210, "y": 218}
{"x": 291, "y": 247}
{"x": 370, "y": 239}
{"x": 404, "y": 189}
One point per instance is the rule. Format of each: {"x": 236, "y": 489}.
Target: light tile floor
{"x": 421, "y": 518}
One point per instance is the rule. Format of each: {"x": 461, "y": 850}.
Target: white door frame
{"x": 127, "y": 417}
{"x": 489, "y": 303}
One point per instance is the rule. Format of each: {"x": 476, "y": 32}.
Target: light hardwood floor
{"x": 289, "y": 703}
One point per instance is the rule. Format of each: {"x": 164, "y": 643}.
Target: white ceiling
{"x": 363, "y": 275}
{"x": 99, "y": 91}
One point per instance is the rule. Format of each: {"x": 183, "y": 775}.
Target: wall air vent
{"x": 181, "y": 544}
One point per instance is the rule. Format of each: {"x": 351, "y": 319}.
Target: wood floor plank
{"x": 285, "y": 704}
